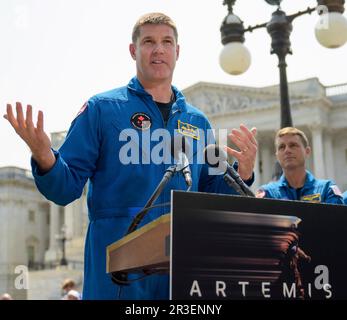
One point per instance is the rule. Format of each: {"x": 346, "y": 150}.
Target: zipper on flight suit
{"x": 165, "y": 126}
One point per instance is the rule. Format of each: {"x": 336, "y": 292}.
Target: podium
{"x": 232, "y": 247}
{"x": 147, "y": 248}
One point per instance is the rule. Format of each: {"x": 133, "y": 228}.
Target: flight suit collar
{"x": 309, "y": 181}
{"x": 180, "y": 104}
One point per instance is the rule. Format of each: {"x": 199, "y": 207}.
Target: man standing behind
{"x": 297, "y": 183}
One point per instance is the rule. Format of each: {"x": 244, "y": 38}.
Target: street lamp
{"x": 330, "y": 31}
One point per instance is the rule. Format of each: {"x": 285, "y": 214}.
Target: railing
{"x": 336, "y": 90}
{"x": 36, "y": 265}
{"x": 76, "y": 265}
{"x": 14, "y": 173}
{"x": 72, "y": 264}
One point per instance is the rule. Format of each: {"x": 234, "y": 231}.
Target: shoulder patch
{"x": 260, "y": 193}
{"x": 336, "y": 190}
{"x": 84, "y": 107}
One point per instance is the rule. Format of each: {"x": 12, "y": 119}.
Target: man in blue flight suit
{"x": 96, "y": 149}
{"x": 297, "y": 183}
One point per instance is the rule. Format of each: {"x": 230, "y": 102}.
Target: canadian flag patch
{"x": 260, "y": 193}
{"x": 336, "y": 190}
{"x": 84, "y": 107}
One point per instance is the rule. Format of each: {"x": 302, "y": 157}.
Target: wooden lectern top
{"x": 145, "y": 248}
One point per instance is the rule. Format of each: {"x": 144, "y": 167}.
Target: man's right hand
{"x": 35, "y": 137}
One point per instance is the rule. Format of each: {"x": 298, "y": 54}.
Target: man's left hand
{"x": 245, "y": 140}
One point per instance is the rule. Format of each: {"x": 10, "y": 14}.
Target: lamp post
{"x": 330, "y": 31}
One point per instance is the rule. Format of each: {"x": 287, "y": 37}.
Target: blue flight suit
{"x": 118, "y": 191}
{"x": 314, "y": 190}
{"x": 345, "y": 197}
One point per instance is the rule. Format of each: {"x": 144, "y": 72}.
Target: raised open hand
{"x": 35, "y": 137}
{"x": 245, "y": 140}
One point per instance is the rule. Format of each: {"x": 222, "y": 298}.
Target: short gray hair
{"x": 293, "y": 132}
{"x": 153, "y": 18}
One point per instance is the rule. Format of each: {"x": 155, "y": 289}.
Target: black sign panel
{"x": 232, "y": 247}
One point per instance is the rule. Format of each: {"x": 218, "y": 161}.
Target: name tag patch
{"x": 312, "y": 198}
{"x": 188, "y": 130}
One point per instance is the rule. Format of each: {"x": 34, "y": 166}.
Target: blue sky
{"x": 55, "y": 54}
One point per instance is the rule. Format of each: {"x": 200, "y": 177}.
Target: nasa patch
{"x": 336, "y": 190}
{"x": 141, "y": 121}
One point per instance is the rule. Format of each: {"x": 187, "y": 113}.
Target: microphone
{"x": 217, "y": 158}
{"x": 121, "y": 277}
{"x": 180, "y": 147}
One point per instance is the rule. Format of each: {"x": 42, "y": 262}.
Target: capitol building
{"x": 34, "y": 231}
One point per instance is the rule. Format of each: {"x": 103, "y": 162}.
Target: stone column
{"x": 68, "y": 220}
{"x": 79, "y": 217}
{"x": 85, "y": 217}
{"x": 74, "y": 218}
{"x": 267, "y": 160}
{"x": 54, "y": 230}
{"x": 318, "y": 154}
{"x": 257, "y": 181}
{"x": 329, "y": 157}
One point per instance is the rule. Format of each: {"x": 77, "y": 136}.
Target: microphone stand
{"x": 120, "y": 277}
{"x": 233, "y": 184}
{"x": 235, "y": 176}
{"x": 230, "y": 175}
{"x": 169, "y": 172}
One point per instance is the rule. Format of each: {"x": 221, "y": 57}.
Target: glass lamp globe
{"x": 235, "y": 58}
{"x": 331, "y": 30}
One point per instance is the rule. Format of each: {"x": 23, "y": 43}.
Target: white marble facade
{"x": 30, "y": 225}
{"x": 31, "y": 228}
{"x": 321, "y": 112}
{"x": 24, "y": 216}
